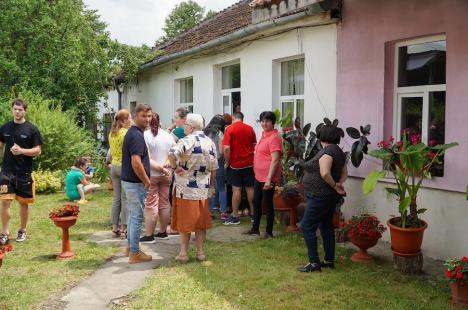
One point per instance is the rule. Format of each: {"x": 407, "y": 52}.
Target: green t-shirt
{"x": 71, "y": 184}
{"x": 179, "y": 132}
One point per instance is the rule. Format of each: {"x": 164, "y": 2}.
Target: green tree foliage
{"x": 184, "y": 16}
{"x": 210, "y": 13}
{"x": 59, "y": 48}
{"x": 63, "y": 140}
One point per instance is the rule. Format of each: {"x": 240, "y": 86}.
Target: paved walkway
{"x": 116, "y": 278}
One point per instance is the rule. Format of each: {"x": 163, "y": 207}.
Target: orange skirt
{"x": 190, "y": 215}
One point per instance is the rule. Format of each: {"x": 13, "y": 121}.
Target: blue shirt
{"x": 134, "y": 144}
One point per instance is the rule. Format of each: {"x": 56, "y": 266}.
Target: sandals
{"x": 201, "y": 257}
{"x": 182, "y": 259}
{"x": 123, "y": 234}
{"x": 115, "y": 233}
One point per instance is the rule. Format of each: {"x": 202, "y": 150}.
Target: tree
{"x": 58, "y": 48}
{"x": 184, "y": 16}
{"x": 210, "y": 13}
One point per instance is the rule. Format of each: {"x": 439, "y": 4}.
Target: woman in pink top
{"x": 267, "y": 171}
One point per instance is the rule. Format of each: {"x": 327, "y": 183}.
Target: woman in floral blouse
{"x": 195, "y": 174}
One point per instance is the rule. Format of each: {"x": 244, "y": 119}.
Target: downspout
{"x": 244, "y": 32}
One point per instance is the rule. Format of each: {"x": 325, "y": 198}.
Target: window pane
{"x": 186, "y": 91}
{"x": 226, "y": 107}
{"x": 292, "y": 77}
{"x": 411, "y": 114}
{"x": 422, "y": 64}
{"x": 300, "y": 111}
{"x": 190, "y": 108}
{"x": 287, "y": 108}
{"x": 436, "y": 130}
{"x": 230, "y": 77}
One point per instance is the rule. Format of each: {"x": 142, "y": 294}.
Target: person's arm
{"x": 325, "y": 164}
{"x": 2, "y": 149}
{"x": 275, "y": 159}
{"x": 32, "y": 152}
{"x": 139, "y": 170}
{"x": 227, "y": 155}
{"x": 221, "y": 147}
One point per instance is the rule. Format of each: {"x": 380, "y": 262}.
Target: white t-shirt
{"x": 158, "y": 147}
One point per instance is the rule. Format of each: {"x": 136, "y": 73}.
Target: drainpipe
{"x": 313, "y": 9}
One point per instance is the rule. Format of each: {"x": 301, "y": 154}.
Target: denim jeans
{"x": 319, "y": 213}
{"x": 136, "y": 196}
{"x": 220, "y": 194}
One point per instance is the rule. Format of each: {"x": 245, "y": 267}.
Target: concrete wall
{"x": 258, "y": 60}
{"x": 365, "y": 51}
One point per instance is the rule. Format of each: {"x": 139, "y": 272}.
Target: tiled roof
{"x": 233, "y": 18}
{"x": 262, "y": 3}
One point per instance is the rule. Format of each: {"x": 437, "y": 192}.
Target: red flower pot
{"x": 460, "y": 293}
{"x": 65, "y": 223}
{"x": 290, "y": 205}
{"x": 363, "y": 243}
{"x": 1, "y": 259}
{"x": 406, "y": 242}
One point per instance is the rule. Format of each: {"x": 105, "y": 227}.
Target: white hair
{"x": 195, "y": 120}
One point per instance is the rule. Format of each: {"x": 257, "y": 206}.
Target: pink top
{"x": 269, "y": 142}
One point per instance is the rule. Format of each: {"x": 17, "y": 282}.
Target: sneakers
{"x": 21, "y": 236}
{"x": 140, "y": 257}
{"x": 252, "y": 232}
{"x": 147, "y": 239}
{"x": 252, "y": 219}
{"x": 310, "y": 267}
{"x": 232, "y": 221}
{"x": 161, "y": 235}
{"x": 3, "y": 239}
{"x": 224, "y": 216}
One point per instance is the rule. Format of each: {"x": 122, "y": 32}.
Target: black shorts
{"x": 17, "y": 186}
{"x": 240, "y": 177}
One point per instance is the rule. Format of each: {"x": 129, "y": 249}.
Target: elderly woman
{"x": 323, "y": 184}
{"x": 267, "y": 171}
{"x": 195, "y": 174}
{"x": 122, "y": 121}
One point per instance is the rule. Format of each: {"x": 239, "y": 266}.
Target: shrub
{"x": 63, "y": 140}
{"x": 48, "y": 181}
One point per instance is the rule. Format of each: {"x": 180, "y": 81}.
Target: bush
{"x": 48, "y": 181}
{"x": 63, "y": 140}
{"x": 101, "y": 172}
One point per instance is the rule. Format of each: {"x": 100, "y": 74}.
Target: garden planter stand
{"x": 406, "y": 247}
{"x": 1, "y": 259}
{"x": 287, "y": 205}
{"x": 460, "y": 294}
{"x": 65, "y": 223}
{"x": 363, "y": 243}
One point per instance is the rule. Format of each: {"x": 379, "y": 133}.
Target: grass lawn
{"x": 262, "y": 275}
{"x": 30, "y": 274}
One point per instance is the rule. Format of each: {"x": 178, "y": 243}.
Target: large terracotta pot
{"x": 290, "y": 205}
{"x": 1, "y": 259}
{"x": 460, "y": 294}
{"x": 65, "y": 223}
{"x": 363, "y": 243}
{"x": 406, "y": 242}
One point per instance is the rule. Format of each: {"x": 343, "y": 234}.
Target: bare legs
{"x": 237, "y": 197}
{"x": 199, "y": 243}
{"x": 23, "y": 212}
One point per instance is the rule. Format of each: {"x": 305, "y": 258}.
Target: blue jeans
{"x": 220, "y": 194}
{"x": 136, "y": 196}
{"x": 319, "y": 213}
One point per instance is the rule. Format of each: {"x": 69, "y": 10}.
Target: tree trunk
{"x": 410, "y": 265}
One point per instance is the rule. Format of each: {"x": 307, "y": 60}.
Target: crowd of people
{"x": 179, "y": 175}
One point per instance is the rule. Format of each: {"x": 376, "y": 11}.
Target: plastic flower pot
{"x": 406, "y": 242}
{"x": 363, "y": 243}
{"x": 289, "y": 205}
{"x": 2, "y": 255}
{"x": 460, "y": 293}
{"x": 65, "y": 223}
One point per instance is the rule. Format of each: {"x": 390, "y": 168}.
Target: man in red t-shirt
{"x": 239, "y": 145}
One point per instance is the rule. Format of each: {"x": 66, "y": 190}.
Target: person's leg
{"x": 258, "y": 197}
{"x": 221, "y": 186}
{"x": 199, "y": 241}
{"x": 116, "y": 197}
{"x": 248, "y": 181}
{"x": 135, "y": 205}
{"x": 250, "y": 196}
{"x": 236, "y": 200}
{"x": 184, "y": 244}
{"x": 151, "y": 208}
{"x": 163, "y": 204}
{"x": 124, "y": 210}
{"x": 268, "y": 201}
{"x": 328, "y": 232}
{"x": 6, "y": 204}
{"x": 81, "y": 192}
{"x": 24, "y": 212}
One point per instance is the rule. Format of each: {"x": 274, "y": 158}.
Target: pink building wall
{"x": 365, "y": 79}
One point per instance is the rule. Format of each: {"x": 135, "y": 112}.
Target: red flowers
{"x": 6, "y": 248}
{"x": 364, "y": 225}
{"x": 457, "y": 269}
{"x": 69, "y": 209}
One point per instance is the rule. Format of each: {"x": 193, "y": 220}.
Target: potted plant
{"x": 457, "y": 273}
{"x": 64, "y": 218}
{"x": 409, "y": 162}
{"x": 4, "y": 249}
{"x": 364, "y": 231}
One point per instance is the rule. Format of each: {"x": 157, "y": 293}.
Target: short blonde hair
{"x": 195, "y": 120}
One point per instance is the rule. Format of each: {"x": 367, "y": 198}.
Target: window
{"x": 230, "y": 88}
{"x": 230, "y": 77}
{"x": 186, "y": 93}
{"x": 292, "y": 89}
{"x": 132, "y": 107}
{"x": 106, "y": 127}
{"x": 420, "y": 90}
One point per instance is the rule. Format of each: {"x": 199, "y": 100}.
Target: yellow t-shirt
{"x": 115, "y": 143}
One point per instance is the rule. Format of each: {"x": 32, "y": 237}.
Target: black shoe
{"x": 148, "y": 239}
{"x": 326, "y": 264}
{"x": 161, "y": 235}
{"x": 310, "y": 267}
{"x": 252, "y": 232}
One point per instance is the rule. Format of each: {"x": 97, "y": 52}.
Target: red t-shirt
{"x": 241, "y": 140}
{"x": 269, "y": 142}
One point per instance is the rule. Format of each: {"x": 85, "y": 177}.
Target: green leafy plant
{"x": 409, "y": 162}
{"x": 457, "y": 269}
{"x": 68, "y": 209}
{"x": 359, "y": 147}
{"x": 46, "y": 181}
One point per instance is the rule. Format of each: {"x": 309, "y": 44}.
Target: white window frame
{"x": 187, "y": 105}
{"x": 293, "y": 98}
{"x": 229, "y": 91}
{"x": 413, "y": 91}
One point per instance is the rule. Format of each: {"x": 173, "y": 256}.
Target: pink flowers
{"x": 415, "y": 139}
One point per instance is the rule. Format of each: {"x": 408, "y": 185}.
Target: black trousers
{"x": 264, "y": 197}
